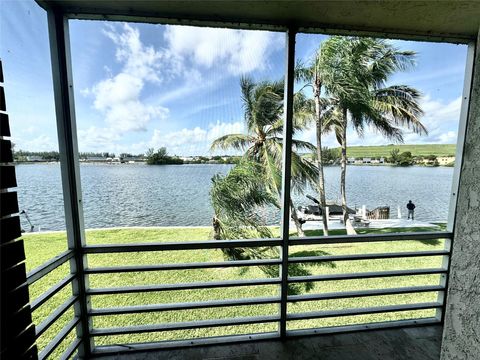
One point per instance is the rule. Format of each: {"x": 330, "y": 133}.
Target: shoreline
{"x": 387, "y": 224}
{"x": 208, "y": 163}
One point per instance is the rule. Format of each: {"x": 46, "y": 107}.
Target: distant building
{"x": 351, "y": 160}
{"x": 425, "y": 161}
{"x": 445, "y": 160}
{"x": 35, "y": 158}
{"x": 96, "y": 158}
{"x": 367, "y": 160}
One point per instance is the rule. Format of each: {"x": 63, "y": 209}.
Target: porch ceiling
{"x": 444, "y": 20}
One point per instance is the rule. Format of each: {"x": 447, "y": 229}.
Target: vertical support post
{"x": 70, "y": 169}
{"x": 287, "y": 172}
{"x": 462, "y": 128}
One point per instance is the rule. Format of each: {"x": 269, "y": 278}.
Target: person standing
{"x": 411, "y": 209}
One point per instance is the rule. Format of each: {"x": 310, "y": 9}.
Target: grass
{"x": 416, "y": 150}
{"x": 41, "y": 247}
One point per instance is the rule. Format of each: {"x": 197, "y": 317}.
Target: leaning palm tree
{"x": 263, "y": 110}
{"x": 236, "y": 198}
{"x": 355, "y": 73}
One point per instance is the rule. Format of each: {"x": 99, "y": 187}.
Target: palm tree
{"x": 311, "y": 75}
{"x": 355, "y": 73}
{"x": 263, "y": 109}
{"x": 235, "y": 199}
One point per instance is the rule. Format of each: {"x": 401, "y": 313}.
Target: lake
{"x": 178, "y": 195}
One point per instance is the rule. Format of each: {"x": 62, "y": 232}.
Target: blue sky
{"x": 141, "y": 85}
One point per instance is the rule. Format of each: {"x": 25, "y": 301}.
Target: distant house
{"x": 382, "y": 160}
{"x": 445, "y": 160}
{"x": 367, "y": 160}
{"x": 95, "y": 158}
{"x": 426, "y": 161}
{"x": 375, "y": 161}
{"x": 35, "y": 158}
{"x": 351, "y": 160}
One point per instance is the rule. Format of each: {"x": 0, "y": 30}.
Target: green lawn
{"x": 416, "y": 150}
{"x": 41, "y": 247}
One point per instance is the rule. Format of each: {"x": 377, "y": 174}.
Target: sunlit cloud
{"x": 193, "y": 141}
{"x": 119, "y": 97}
{"x": 239, "y": 51}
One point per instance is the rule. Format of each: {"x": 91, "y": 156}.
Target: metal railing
{"x": 340, "y": 312}
{"x": 40, "y": 329}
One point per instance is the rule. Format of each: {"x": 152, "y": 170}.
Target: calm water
{"x": 141, "y": 195}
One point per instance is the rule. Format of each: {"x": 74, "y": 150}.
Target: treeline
{"x": 217, "y": 159}
{"x": 407, "y": 159}
{"x": 161, "y": 157}
{"x": 22, "y": 155}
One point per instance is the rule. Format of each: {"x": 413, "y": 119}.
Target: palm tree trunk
{"x": 297, "y": 222}
{"x": 343, "y": 163}
{"x": 321, "y": 178}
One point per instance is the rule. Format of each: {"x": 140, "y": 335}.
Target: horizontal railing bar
{"x": 168, "y": 344}
{"x": 183, "y": 306}
{"x": 191, "y": 245}
{"x": 48, "y": 266}
{"x": 362, "y": 311}
{"x": 371, "y": 256}
{"x": 363, "y": 327}
{"x": 343, "y": 239}
{"x": 52, "y": 345}
{"x": 185, "y": 325}
{"x": 182, "y": 286}
{"x": 366, "y": 275}
{"x": 52, "y": 291}
{"x": 181, "y": 266}
{"x": 71, "y": 349}
{"x": 59, "y": 311}
{"x": 364, "y": 293}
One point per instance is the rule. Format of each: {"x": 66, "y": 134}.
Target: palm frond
{"x": 233, "y": 141}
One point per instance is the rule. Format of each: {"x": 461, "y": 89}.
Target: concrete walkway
{"x": 374, "y": 224}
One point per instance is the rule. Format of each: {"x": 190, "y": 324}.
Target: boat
{"x": 314, "y": 212}
{"x": 335, "y": 211}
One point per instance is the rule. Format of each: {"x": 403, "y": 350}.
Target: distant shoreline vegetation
{"x": 392, "y": 155}
{"x": 161, "y": 157}
{"x": 422, "y": 155}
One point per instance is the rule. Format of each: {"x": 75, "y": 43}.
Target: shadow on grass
{"x": 302, "y": 269}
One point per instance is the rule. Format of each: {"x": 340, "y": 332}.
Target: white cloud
{"x": 139, "y": 60}
{"x": 97, "y": 139}
{"x": 222, "y": 128}
{"x": 194, "y": 141}
{"x": 118, "y": 97}
{"x": 240, "y": 51}
{"x": 40, "y": 143}
{"x": 441, "y": 120}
